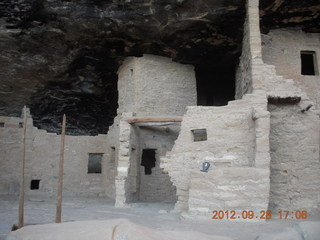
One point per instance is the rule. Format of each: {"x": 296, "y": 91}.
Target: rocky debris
{"x": 110, "y": 229}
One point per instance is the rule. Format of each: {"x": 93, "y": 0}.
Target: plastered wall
{"x": 42, "y": 160}
{"x": 295, "y": 166}
{"x": 156, "y": 86}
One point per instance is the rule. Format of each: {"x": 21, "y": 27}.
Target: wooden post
{"x": 21, "y": 194}
{"x": 60, "y": 180}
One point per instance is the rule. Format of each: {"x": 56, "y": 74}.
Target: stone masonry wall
{"x": 42, "y": 160}
{"x": 156, "y": 86}
{"x": 236, "y": 188}
{"x": 295, "y": 166}
{"x": 237, "y": 137}
{"x": 243, "y": 72}
{"x": 282, "y": 48}
{"x": 157, "y": 187}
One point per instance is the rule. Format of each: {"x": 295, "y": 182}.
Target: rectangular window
{"x": 308, "y": 63}
{"x": 35, "y": 184}
{"x": 199, "y": 135}
{"x": 1, "y": 124}
{"x": 20, "y": 124}
{"x": 94, "y": 162}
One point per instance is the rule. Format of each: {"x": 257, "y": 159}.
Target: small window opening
{"x": 148, "y": 160}
{"x": 94, "y": 162}
{"x": 20, "y": 124}
{"x": 199, "y": 135}
{"x": 35, "y": 183}
{"x": 308, "y": 60}
{"x": 113, "y": 155}
{"x": 1, "y": 124}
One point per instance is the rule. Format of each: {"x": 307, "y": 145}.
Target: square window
{"x": 308, "y": 63}
{"x": 35, "y": 184}
{"x": 199, "y": 135}
{"x": 94, "y": 162}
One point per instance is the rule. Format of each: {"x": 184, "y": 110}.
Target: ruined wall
{"x": 282, "y": 48}
{"x": 154, "y": 86}
{"x": 237, "y": 138}
{"x": 157, "y": 187}
{"x": 295, "y": 166}
{"x": 42, "y": 160}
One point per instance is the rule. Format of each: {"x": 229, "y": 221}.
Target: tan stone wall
{"x": 42, "y": 159}
{"x": 295, "y": 166}
{"x": 156, "y": 86}
{"x": 237, "y": 136}
{"x": 282, "y": 48}
{"x": 238, "y": 189}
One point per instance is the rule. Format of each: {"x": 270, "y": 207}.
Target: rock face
{"x": 62, "y": 56}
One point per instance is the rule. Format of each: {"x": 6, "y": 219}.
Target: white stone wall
{"x": 238, "y": 137}
{"x": 233, "y": 189}
{"x": 295, "y": 166}
{"x": 156, "y": 86}
{"x": 282, "y": 48}
{"x": 42, "y": 160}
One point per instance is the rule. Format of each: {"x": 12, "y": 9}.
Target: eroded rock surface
{"x": 62, "y": 56}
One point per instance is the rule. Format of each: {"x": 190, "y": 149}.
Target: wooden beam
{"x": 22, "y": 180}
{"x": 60, "y": 180}
{"x": 155, "y": 120}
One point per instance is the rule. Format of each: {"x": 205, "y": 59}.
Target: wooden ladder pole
{"x": 60, "y": 179}
{"x": 22, "y": 177}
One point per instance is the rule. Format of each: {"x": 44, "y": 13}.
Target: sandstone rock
{"x": 309, "y": 230}
{"x": 286, "y": 234}
{"x": 103, "y": 230}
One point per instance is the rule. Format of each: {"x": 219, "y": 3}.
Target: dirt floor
{"x": 40, "y": 210}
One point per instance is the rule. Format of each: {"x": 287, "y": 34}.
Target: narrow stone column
{"x": 123, "y": 160}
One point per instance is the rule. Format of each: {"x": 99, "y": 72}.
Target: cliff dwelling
{"x": 152, "y": 90}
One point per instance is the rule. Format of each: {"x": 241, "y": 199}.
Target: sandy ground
{"x": 39, "y": 210}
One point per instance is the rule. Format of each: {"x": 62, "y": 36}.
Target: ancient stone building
{"x": 153, "y": 90}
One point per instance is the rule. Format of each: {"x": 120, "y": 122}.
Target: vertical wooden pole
{"x": 21, "y": 194}
{"x": 60, "y": 180}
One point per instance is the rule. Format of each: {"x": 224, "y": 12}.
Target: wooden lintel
{"x": 155, "y": 120}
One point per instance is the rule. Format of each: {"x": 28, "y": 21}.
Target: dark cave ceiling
{"x": 62, "y": 56}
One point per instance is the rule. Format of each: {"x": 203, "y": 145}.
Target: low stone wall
{"x": 234, "y": 189}
{"x": 42, "y": 160}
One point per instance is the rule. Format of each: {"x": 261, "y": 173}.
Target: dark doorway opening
{"x": 215, "y": 85}
{"x": 35, "y": 184}
{"x": 148, "y": 160}
{"x": 308, "y": 63}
